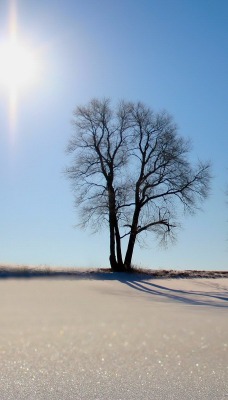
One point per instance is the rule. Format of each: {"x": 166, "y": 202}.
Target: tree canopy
{"x": 130, "y": 170}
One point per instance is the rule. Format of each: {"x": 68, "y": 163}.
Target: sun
{"x": 18, "y": 65}
{"x": 20, "y": 68}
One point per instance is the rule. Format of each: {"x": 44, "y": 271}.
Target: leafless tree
{"x": 130, "y": 169}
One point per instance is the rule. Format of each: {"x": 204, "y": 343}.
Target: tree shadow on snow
{"x": 217, "y": 298}
{"x": 140, "y": 282}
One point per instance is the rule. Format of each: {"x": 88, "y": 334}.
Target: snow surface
{"x": 114, "y": 339}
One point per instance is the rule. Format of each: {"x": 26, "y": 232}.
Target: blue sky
{"x": 170, "y": 54}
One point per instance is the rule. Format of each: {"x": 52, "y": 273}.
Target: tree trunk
{"x": 112, "y": 257}
{"x": 129, "y": 252}
{"x": 116, "y": 260}
{"x": 132, "y": 238}
{"x": 118, "y": 246}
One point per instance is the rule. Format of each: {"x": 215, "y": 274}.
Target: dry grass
{"x": 169, "y": 273}
{"x": 43, "y": 271}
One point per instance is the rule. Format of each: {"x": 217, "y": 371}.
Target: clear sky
{"x": 170, "y": 54}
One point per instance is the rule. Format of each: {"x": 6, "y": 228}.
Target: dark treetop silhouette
{"x": 129, "y": 170}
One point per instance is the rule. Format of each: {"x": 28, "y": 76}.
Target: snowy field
{"x": 119, "y": 338}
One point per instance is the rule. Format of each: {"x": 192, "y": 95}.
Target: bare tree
{"x": 130, "y": 169}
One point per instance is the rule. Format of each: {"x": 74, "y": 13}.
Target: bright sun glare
{"x": 18, "y": 62}
{"x": 18, "y": 67}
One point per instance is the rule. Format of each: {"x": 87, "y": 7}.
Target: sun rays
{"x": 19, "y": 66}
